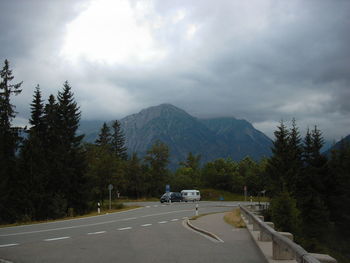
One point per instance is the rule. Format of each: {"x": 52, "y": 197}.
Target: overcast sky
{"x": 258, "y": 60}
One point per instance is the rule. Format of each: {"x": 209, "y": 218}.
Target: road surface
{"x": 152, "y": 233}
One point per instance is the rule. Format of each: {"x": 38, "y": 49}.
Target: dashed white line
{"x": 124, "y": 228}
{"x": 146, "y": 225}
{"x": 96, "y": 233}
{"x": 173, "y": 220}
{"x": 162, "y": 222}
{"x": 56, "y": 238}
{"x": 155, "y": 206}
{"x": 130, "y": 218}
{"x": 148, "y": 206}
{"x": 9, "y": 245}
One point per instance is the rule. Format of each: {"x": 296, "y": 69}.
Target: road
{"x": 152, "y": 233}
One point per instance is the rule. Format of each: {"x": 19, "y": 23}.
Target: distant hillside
{"x": 183, "y": 133}
{"x": 240, "y": 138}
{"x": 336, "y": 146}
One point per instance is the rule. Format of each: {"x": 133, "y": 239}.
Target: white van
{"x": 190, "y": 195}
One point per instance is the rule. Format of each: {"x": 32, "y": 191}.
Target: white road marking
{"x": 163, "y": 205}
{"x": 162, "y": 222}
{"x": 68, "y": 227}
{"x": 87, "y": 225}
{"x": 9, "y": 245}
{"x": 148, "y": 206}
{"x": 96, "y": 233}
{"x": 127, "y": 219}
{"x": 56, "y": 238}
{"x": 124, "y": 228}
{"x": 166, "y": 213}
{"x": 155, "y": 206}
{"x": 67, "y": 220}
{"x": 146, "y": 225}
{"x": 173, "y": 220}
{"x": 185, "y": 217}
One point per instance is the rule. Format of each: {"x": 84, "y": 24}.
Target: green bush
{"x": 284, "y": 213}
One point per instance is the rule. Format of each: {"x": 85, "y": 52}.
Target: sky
{"x": 260, "y": 60}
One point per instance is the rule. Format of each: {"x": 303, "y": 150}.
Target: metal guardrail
{"x": 301, "y": 255}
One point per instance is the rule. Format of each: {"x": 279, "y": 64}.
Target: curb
{"x": 205, "y": 232}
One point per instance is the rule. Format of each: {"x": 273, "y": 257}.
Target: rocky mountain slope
{"x": 183, "y": 133}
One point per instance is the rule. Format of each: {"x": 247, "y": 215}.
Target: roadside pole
{"x": 110, "y": 187}
{"x": 196, "y": 209}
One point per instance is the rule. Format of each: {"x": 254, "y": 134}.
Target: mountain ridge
{"x": 212, "y": 138}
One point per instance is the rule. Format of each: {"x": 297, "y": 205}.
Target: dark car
{"x": 173, "y": 196}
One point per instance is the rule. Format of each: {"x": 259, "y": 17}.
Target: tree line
{"x": 47, "y": 171}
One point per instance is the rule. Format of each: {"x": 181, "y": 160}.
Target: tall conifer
{"x": 118, "y": 141}
{"x": 8, "y": 144}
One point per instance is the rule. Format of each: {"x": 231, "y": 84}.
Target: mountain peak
{"x": 164, "y": 108}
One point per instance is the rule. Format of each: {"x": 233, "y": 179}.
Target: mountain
{"x": 183, "y": 133}
{"x": 240, "y": 138}
{"x": 173, "y": 126}
{"x": 338, "y": 145}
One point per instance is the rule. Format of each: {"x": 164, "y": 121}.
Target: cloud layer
{"x": 259, "y": 60}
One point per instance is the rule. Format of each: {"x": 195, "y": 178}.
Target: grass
{"x": 234, "y": 218}
{"x": 103, "y": 212}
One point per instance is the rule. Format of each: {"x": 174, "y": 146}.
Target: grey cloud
{"x": 254, "y": 60}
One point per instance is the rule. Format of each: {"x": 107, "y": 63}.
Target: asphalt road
{"x": 152, "y": 233}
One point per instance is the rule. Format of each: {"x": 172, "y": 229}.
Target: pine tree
{"x": 278, "y": 164}
{"x": 295, "y": 159}
{"x": 104, "y": 137}
{"x": 73, "y": 160}
{"x": 118, "y": 141}
{"x": 8, "y": 144}
{"x": 33, "y": 163}
{"x": 311, "y": 187}
{"x": 54, "y": 151}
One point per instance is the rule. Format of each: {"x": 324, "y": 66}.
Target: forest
{"x": 47, "y": 171}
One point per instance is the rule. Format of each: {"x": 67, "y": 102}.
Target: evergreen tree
{"x": 33, "y": 163}
{"x": 339, "y": 190}
{"x": 104, "y": 137}
{"x": 54, "y": 151}
{"x": 8, "y": 145}
{"x": 295, "y": 159}
{"x": 118, "y": 141}
{"x": 71, "y": 162}
{"x": 311, "y": 187}
{"x": 279, "y": 165}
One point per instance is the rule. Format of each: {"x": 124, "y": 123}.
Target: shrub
{"x": 284, "y": 213}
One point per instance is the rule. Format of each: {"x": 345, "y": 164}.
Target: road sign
{"x": 167, "y": 188}
{"x": 110, "y": 187}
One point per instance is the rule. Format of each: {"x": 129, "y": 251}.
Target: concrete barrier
{"x": 283, "y": 247}
{"x": 266, "y": 236}
{"x": 281, "y": 250}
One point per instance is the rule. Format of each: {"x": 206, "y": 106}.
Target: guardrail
{"x": 283, "y": 247}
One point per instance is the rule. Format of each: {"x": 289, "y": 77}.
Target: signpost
{"x": 245, "y": 193}
{"x": 110, "y": 187}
